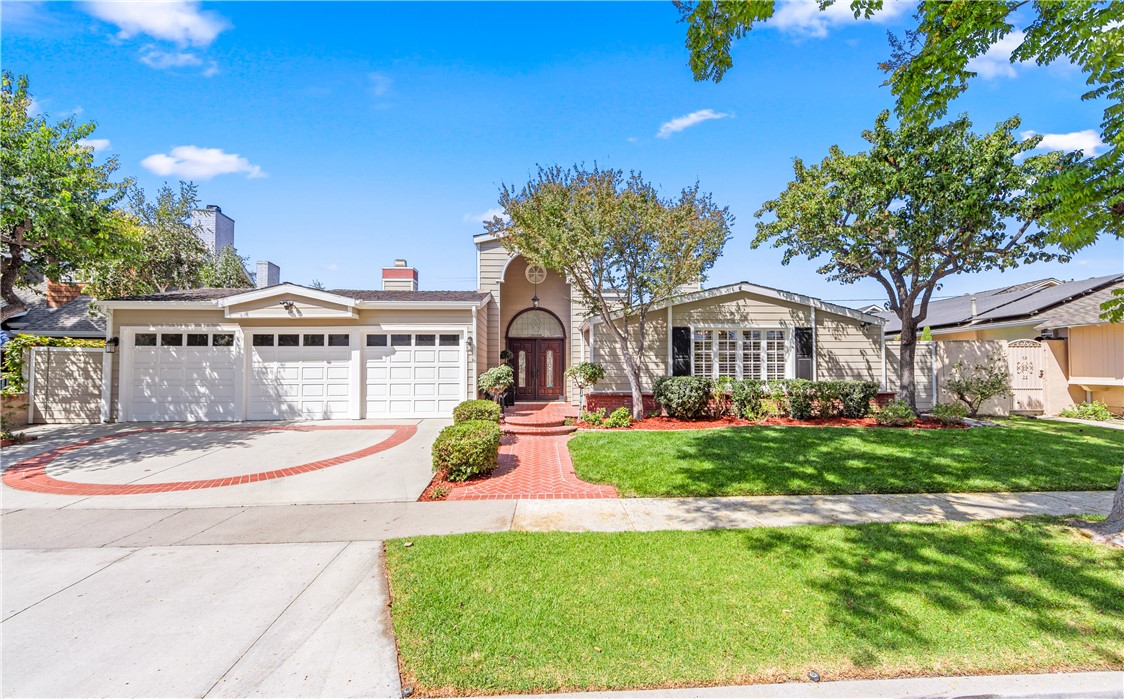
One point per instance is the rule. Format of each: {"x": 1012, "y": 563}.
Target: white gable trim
{"x": 286, "y": 289}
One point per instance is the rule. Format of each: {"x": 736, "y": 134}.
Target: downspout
{"x": 815, "y": 347}
{"x": 472, "y": 335}
{"x": 933, "y": 361}
{"x": 670, "y": 357}
{"x": 882, "y": 339}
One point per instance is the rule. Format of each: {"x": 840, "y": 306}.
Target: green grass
{"x": 1023, "y": 455}
{"x": 522, "y": 612}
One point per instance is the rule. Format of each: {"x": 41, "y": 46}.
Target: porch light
{"x": 111, "y": 345}
{"x": 468, "y": 344}
{"x": 535, "y": 300}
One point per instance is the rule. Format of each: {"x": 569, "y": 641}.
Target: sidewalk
{"x": 92, "y": 528}
{"x": 1086, "y": 685}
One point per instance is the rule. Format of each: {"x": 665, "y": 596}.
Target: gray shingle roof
{"x": 360, "y": 294}
{"x": 1083, "y": 311}
{"x": 1006, "y": 303}
{"x": 71, "y": 319}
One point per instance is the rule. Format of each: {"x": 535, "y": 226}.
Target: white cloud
{"x": 180, "y": 21}
{"x": 34, "y": 107}
{"x": 688, "y": 120}
{"x": 485, "y": 217}
{"x": 804, "y": 17}
{"x": 162, "y": 60}
{"x": 211, "y": 71}
{"x": 98, "y": 144}
{"x": 996, "y": 62}
{"x": 193, "y": 162}
{"x": 1089, "y": 141}
{"x": 380, "y": 84}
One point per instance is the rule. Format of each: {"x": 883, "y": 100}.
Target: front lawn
{"x": 1023, "y": 455}
{"x": 533, "y": 612}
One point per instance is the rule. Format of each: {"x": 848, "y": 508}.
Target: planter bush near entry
{"x": 950, "y": 413}
{"x": 896, "y": 413}
{"x": 467, "y": 449}
{"x": 477, "y": 410}
{"x": 684, "y": 397}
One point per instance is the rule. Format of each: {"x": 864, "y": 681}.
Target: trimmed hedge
{"x": 684, "y": 397}
{"x": 477, "y": 410}
{"x": 801, "y": 399}
{"x": 466, "y": 449}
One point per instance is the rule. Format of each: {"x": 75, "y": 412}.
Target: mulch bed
{"x": 670, "y": 423}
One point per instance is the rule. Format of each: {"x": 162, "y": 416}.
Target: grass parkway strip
{"x": 521, "y": 612}
{"x": 1024, "y": 455}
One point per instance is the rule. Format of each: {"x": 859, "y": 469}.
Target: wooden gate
{"x": 1024, "y": 358}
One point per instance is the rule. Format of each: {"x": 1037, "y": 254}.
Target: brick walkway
{"x": 534, "y": 463}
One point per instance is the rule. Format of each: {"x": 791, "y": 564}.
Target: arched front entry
{"x": 537, "y": 341}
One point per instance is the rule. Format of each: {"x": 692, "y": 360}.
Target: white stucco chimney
{"x": 400, "y": 277}
{"x": 213, "y": 227}
{"x": 267, "y": 274}
{"x": 973, "y": 307}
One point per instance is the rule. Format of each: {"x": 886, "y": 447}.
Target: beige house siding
{"x": 1014, "y": 332}
{"x": 846, "y": 350}
{"x": 491, "y": 258}
{"x": 1096, "y": 354}
{"x": 65, "y": 384}
{"x": 654, "y": 361}
{"x": 485, "y": 350}
{"x": 742, "y": 309}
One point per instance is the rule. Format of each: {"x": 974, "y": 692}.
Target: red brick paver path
{"x": 535, "y": 467}
{"x": 31, "y": 473}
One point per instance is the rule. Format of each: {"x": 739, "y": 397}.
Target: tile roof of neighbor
{"x": 72, "y": 318}
{"x": 1083, "y": 311}
{"x": 360, "y": 294}
{"x": 1006, "y": 303}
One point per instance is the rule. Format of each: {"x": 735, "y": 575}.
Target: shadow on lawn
{"x": 806, "y": 460}
{"x": 880, "y": 579}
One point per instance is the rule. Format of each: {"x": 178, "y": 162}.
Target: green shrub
{"x": 896, "y": 413}
{"x": 597, "y": 417}
{"x": 585, "y": 374}
{"x": 950, "y": 413}
{"x": 856, "y": 396}
{"x": 496, "y": 380}
{"x": 684, "y": 397}
{"x": 477, "y": 410}
{"x": 973, "y": 385}
{"x": 828, "y": 398}
{"x": 800, "y": 395}
{"x": 621, "y": 417}
{"x": 748, "y": 399}
{"x": 466, "y": 449}
{"x": 1088, "y": 411}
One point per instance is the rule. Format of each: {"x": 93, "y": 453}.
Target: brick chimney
{"x": 399, "y": 277}
{"x": 266, "y": 274}
{"x": 62, "y": 293}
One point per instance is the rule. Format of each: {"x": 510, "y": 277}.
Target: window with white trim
{"x": 741, "y": 353}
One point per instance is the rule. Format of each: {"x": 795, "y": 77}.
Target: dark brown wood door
{"x": 539, "y": 366}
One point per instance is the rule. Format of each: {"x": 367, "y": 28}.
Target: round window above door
{"x": 536, "y": 274}
{"x": 535, "y": 323}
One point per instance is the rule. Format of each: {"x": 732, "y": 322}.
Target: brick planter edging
{"x": 31, "y": 473}
{"x": 611, "y": 400}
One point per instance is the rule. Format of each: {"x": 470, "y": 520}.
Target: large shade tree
{"x": 919, "y": 205}
{"x": 56, "y": 201}
{"x": 622, "y": 246}
{"x": 931, "y": 65}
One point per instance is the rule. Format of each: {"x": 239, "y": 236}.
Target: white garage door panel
{"x": 181, "y": 383}
{"x": 306, "y": 382}
{"x": 413, "y": 377}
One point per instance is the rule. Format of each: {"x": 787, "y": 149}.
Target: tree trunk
{"x": 1114, "y": 523}
{"x": 907, "y": 351}
{"x": 11, "y": 265}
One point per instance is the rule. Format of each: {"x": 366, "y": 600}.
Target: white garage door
{"x": 414, "y": 374}
{"x": 182, "y": 375}
{"x": 304, "y": 375}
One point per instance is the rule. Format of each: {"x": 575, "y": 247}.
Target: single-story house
{"x": 288, "y": 351}
{"x": 1007, "y": 313}
{"x": 1094, "y": 348}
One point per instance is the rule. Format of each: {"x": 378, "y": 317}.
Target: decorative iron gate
{"x": 1024, "y": 358}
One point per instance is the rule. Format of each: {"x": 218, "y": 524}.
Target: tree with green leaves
{"x": 56, "y": 202}
{"x": 169, "y": 253}
{"x": 921, "y": 204}
{"x": 930, "y": 66}
{"x": 621, "y": 245}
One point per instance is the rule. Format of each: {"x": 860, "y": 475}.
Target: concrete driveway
{"x": 161, "y": 465}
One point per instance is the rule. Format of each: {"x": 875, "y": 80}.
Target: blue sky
{"x": 342, "y": 135}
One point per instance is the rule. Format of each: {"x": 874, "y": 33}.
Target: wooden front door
{"x": 538, "y": 368}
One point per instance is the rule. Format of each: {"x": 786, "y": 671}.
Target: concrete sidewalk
{"x": 93, "y": 528}
{"x": 1071, "y": 685}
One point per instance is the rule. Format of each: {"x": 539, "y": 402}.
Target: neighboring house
{"x": 1094, "y": 348}
{"x": 216, "y": 230}
{"x": 287, "y": 351}
{"x": 1007, "y": 313}
{"x": 62, "y": 311}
